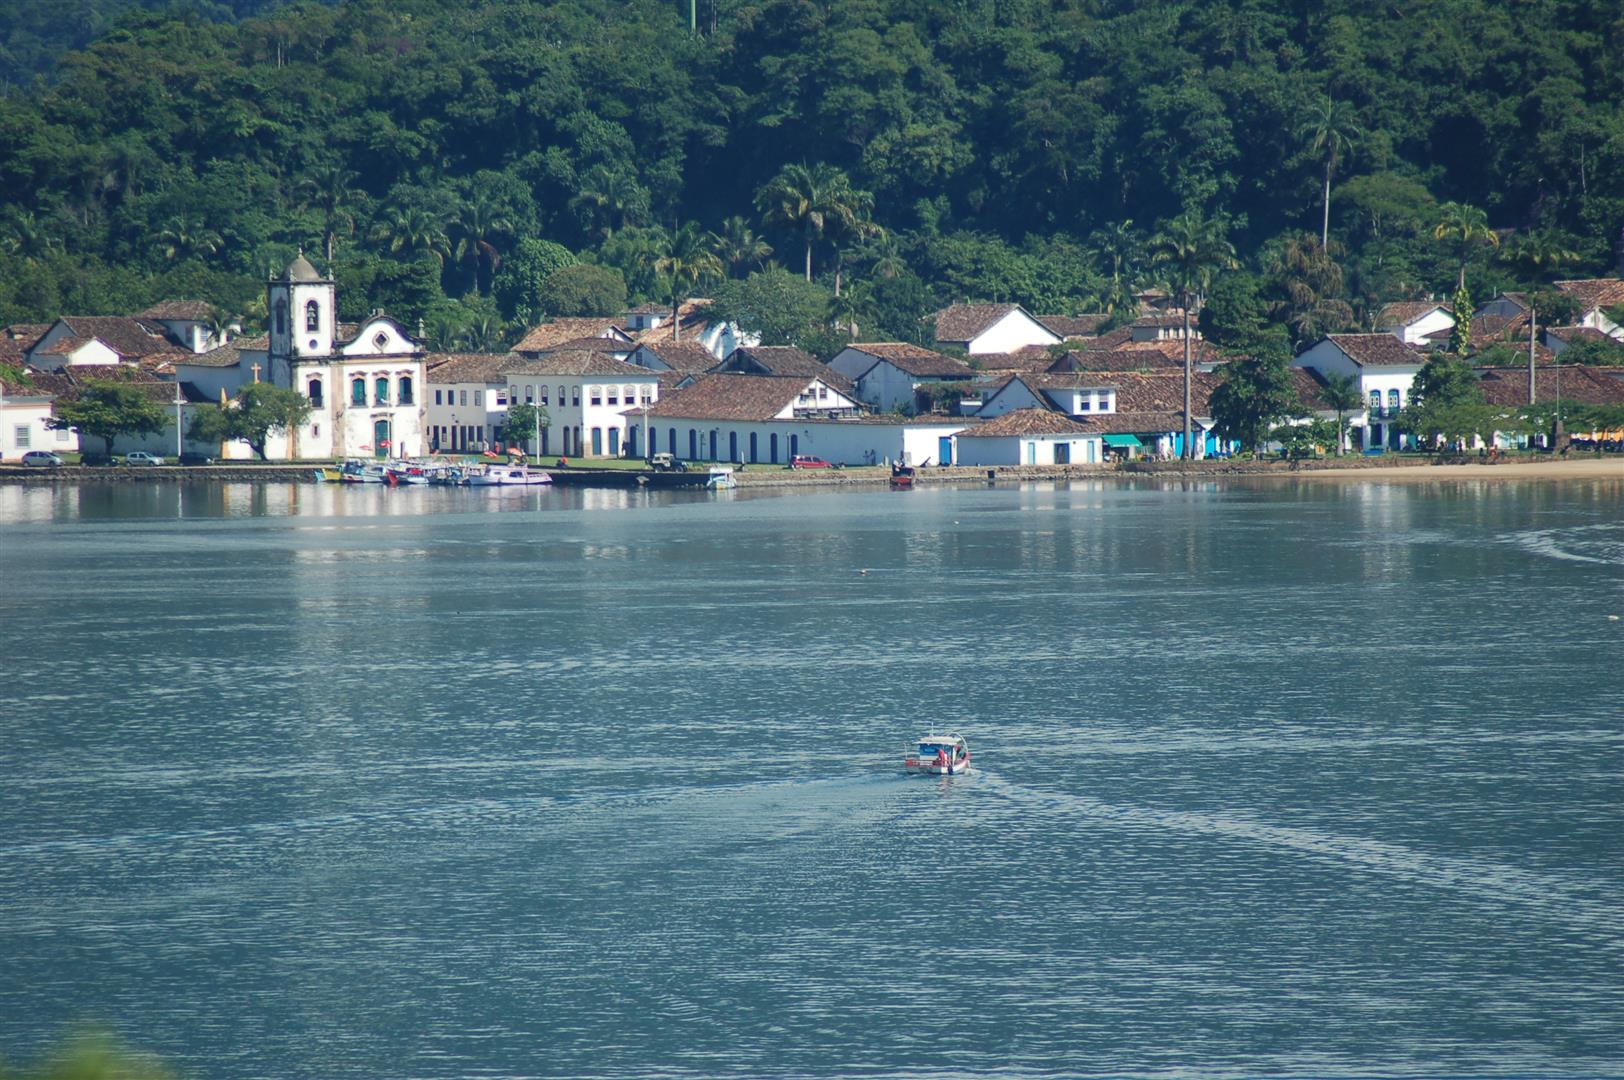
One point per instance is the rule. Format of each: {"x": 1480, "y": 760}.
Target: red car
{"x": 807, "y": 461}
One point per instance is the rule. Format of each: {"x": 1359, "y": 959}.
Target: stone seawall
{"x": 158, "y": 474}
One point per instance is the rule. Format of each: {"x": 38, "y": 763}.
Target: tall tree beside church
{"x": 1189, "y": 251}
{"x": 259, "y": 411}
{"x": 330, "y": 191}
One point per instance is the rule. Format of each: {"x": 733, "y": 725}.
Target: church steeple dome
{"x": 300, "y": 269}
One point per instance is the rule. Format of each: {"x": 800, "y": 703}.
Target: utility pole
{"x": 693, "y": 17}
{"x": 1533, "y": 321}
{"x": 178, "y": 402}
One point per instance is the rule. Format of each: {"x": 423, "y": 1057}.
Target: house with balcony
{"x": 1384, "y": 368}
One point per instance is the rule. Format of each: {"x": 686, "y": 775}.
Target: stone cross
{"x": 254, "y": 367}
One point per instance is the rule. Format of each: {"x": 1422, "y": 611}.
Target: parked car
{"x": 196, "y": 459}
{"x": 41, "y": 459}
{"x": 141, "y": 457}
{"x": 667, "y": 463}
{"x": 807, "y": 461}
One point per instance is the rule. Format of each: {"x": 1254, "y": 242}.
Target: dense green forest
{"x": 478, "y": 165}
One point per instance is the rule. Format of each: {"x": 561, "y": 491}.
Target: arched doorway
{"x": 380, "y": 438}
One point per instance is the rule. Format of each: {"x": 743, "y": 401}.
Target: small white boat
{"x": 939, "y": 755}
{"x": 363, "y": 472}
{"x": 506, "y": 476}
{"x": 721, "y": 478}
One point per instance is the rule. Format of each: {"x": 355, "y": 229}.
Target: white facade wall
{"x": 838, "y": 442}
{"x": 1392, "y": 382}
{"x": 886, "y": 387}
{"x": 462, "y": 416}
{"x": 1011, "y": 396}
{"x": 90, "y": 354}
{"x": 579, "y": 405}
{"x": 1415, "y": 333}
{"x": 1014, "y": 331}
{"x": 1031, "y": 450}
{"x": 22, "y": 428}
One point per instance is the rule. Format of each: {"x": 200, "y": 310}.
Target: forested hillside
{"x": 459, "y": 162}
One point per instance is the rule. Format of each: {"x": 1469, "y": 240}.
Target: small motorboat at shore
{"x": 506, "y": 476}
{"x": 939, "y": 755}
{"x": 902, "y": 477}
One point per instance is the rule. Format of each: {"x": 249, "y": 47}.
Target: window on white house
{"x": 437, "y": 400}
{"x": 823, "y": 393}
{"x": 501, "y": 397}
{"x": 479, "y": 397}
{"x": 62, "y": 435}
{"x": 544, "y": 393}
{"x": 596, "y": 393}
{"x": 464, "y": 395}
{"x": 24, "y": 433}
{"x": 575, "y": 397}
{"x": 614, "y": 396}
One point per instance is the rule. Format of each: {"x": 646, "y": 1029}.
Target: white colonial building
{"x": 466, "y": 399}
{"x": 1033, "y": 436}
{"x": 889, "y": 375}
{"x": 1384, "y": 367}
{"x": 585, "y": 395}
{"x": 991, "y": 328}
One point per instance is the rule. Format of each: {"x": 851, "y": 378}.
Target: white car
{"x": 41, "y": 459}
{"x": 141, "y": 457}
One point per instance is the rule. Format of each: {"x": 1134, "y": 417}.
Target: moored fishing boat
{"x": 939, "y": 755}
{"x": 721, "y": 478}
{"x": 902, "y": 476}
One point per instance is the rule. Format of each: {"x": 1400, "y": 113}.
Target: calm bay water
{"x": 1272, "y": 779}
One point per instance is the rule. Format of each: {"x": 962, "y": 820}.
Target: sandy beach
{"x": 1588, "y": 469}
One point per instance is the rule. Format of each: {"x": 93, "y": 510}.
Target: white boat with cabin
{"x": 506, "y": 476}
{"x": 939, "y": 755}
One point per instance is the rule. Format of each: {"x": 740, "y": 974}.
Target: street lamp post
{"x": 178, "y": 402}
{"x": 536, "y": 413}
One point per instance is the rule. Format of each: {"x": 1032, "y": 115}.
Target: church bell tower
{"x": 302, "y": 311}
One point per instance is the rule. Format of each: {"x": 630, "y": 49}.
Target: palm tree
{"x": 855, "y": 227}
{"x": 1312, "y": 282}
{"x": 1118, "y": 249}
{"x": 884, "y": 255}
{"x": 687, "y": 256}
{"x": 611, "y": 198}
{"x": 1190, "y": 249}
{"x": 476, "y": 223}
{"x": 410, "y": 232}
{"x": 481, "y": 334}
{"x": 1468, "y": 227}
{"x": 1540, "y": 252}
{"x": 809, "y": 199}
{"x": 329, "y": 190}
{"x": 184, "y": 236}
{"x": 1332, "y": 130}
{"x": 1342, "y": 393}
{"x": 739, "y": 247}
{"x": 26, "y": 238}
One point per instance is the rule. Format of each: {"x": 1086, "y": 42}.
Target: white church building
{"x": 364, "y": 382}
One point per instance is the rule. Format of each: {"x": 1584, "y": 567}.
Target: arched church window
{"x": 358, "y": 391}
{"x": 312, "y": 317}
{"x": 314, "y": 389}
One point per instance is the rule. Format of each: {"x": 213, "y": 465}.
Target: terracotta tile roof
{"x": 728, "y": 396}
{"x": 1579, "y": 383}
{"x": 964, "y": 322}
{"x": 179, "y": 311}
{"x": 1139, "y": 356}
{"x": 1309, "y": 383}
{"x": 468, "y": 367}
{"x": 224, "y": 356}
{"x": 1595, "y": 292}
{"x": 1027, "y": 422}
{"x": 575, "y": 362}
{"x": 685, "y": 356}
{"x": 1138, "y": 423}
{"x": 1117, "y": 338}
{"x": 552, "y": 334}
{"x": 1405, "y": 312}
{"x": 130, "y": 338}
{"x": 1575, "y": 334}
{"x": 70, "y": 343}
{"x": 1031, "y": 358}
{"x": 692, "y": 326}
{"x": 784, "y": 360}
{"x": 1376, "y": 350}
{"x": 610, "y": 346}
{"x": 18, "y": 338}
{"x": 1159, "y": 391}
{"x": 1073, "y": 326}
{"x": 915, "y": 360}
{"x": 258, "y": 343}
